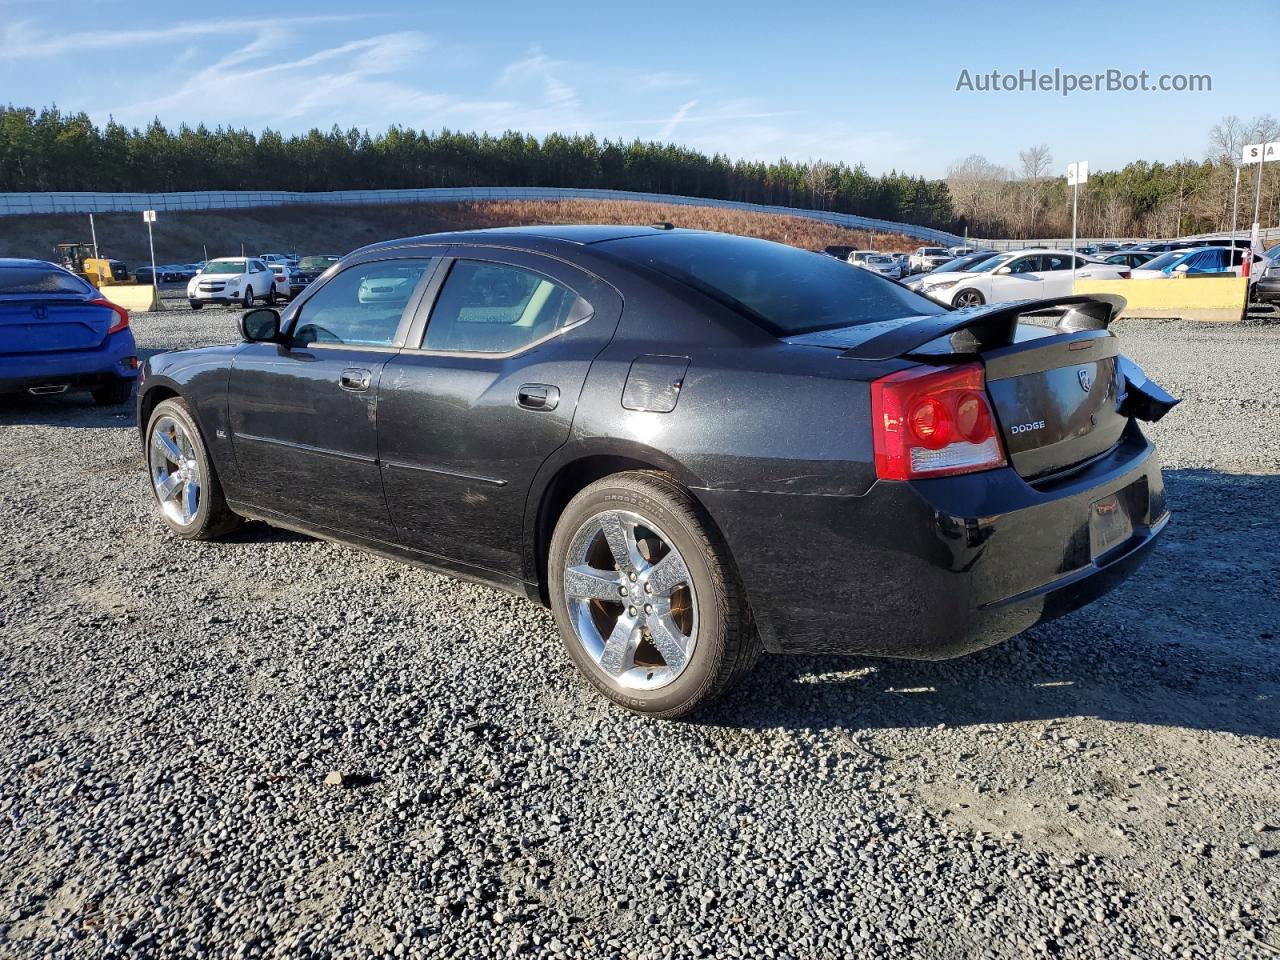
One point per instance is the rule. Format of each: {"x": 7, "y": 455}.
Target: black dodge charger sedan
{"x": 692, "y": 446}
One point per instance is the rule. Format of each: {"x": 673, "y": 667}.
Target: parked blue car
{"x": 1196, "y": 261}
{"x": 58, "y": 333}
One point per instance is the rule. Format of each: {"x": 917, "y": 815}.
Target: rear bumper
{"x": 72, "y": 369}
{"x": 939, "y": 568}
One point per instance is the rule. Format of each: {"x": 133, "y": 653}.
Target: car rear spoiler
{"x": 974, "y": 329}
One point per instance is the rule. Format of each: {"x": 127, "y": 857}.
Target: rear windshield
{"x": 785, "y": 289}
{"x": 40, "y": 280}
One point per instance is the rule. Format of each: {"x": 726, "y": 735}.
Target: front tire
{"x": 196, "y": 304}
{"x": 248, "y": 298}
{"x": 183, "y": 477}
{"x": 646, "y": 597}
{"x": 968, "y": 298}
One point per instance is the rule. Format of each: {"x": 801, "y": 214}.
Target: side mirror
{"x": 1003, "y": 270}
{"x": 261, "y": 325}
{"x": 1181, "y": 268}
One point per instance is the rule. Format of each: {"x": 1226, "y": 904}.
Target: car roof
{"x": 534, "y": 236}
{"x": 25, "y": 262}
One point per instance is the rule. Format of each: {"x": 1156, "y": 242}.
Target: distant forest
{"x": 42, "y": 150}
{"x": 46, "y": 149}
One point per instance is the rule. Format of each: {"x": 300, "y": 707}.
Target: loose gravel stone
{"x": 173, "y": 715}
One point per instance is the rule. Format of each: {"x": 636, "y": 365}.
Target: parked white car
{"x": 926, "y": 258}
{"x": 1023, "y": 275}
{"x": 883, "y": 264}
{"x": 858, "y": 257}
{"x": 284, "y": 274}
{"x": 941, "y": 278}
{"x": 242, "y": 280}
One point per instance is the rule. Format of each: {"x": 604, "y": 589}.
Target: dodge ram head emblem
{"x": 39, "y": 312}
{"x": 1085, "y": 378}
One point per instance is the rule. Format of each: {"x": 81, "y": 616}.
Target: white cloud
{"x": 24, "y": 40}
{"x": 675, "y": 120}
{"x": 539, "y": 70}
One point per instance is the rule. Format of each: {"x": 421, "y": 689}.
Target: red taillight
{"x": 933, "y": 422}
{"x": 122, "y": 315}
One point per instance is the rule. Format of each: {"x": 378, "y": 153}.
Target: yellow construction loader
{"x": 100, "y": 271}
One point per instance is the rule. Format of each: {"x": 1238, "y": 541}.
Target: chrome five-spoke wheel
{"x": 175, "y": 471}
{"x": 630, "y": 600}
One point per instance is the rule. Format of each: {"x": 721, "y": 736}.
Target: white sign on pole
{"x": 149, "y": 216}
{"x": 1077, "y": 174}
{"x": 1261, "y": 152}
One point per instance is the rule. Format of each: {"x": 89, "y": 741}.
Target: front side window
{"x": 360, "y": 306}
{"x": 499, "y": 308}
{"x": 1025, "y": 265}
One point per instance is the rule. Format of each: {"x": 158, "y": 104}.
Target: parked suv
{"x": 242, "y": 280}
{"x": 927, "y": 258}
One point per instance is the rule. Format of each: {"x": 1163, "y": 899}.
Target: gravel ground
{"x": 173, "y": 717}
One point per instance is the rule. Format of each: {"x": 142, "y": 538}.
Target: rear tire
{"x": 113, "y": 394}
{"x": 715, "y": 637}
{"x": 177, "y": 459}
{"x": 271, "y": 297}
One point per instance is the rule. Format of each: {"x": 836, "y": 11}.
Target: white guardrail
{"x": 1268, "y": 237}
{"x": 18, "y": 204}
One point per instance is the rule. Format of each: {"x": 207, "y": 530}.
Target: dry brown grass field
{"x": 184, "y": 237}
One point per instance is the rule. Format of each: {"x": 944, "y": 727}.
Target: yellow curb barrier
{"x": 138, "y": 298}
{"x": 1218, "y": 298}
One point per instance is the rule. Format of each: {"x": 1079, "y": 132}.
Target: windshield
{"x": 966, "y": 264}
{"x": 934, "y": 252}
{"x": 225, "y": 266}
{"x": 18, "y": 280}
{"x": 986, "y": 266}
{"x": 785, "y": 290}
{"x": 316, "y": 263}
{"x": 879, "y": 259}
{"x": 1164, "y": 261}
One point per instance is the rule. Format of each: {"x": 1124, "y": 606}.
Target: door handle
{"x": 538, "y": 396}
{"x": 355, "y": 379}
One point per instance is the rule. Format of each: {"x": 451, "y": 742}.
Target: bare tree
{"x": 1036, "y": 163}
{"x": 819, "y": 179}
{"x": 977, "y": 189}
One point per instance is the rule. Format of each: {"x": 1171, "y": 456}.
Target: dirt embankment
{"x": 186, "y": 237}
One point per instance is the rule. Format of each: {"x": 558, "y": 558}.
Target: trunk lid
{"x": 1057, "y": 397}
{"x": 1062, "y": 394}
{"x": 47, "y": 324}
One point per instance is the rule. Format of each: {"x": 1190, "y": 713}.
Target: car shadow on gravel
{"x": 1189, "y": 641}
{"x": 63, "y": 410}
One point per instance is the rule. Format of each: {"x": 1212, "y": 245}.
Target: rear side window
{"x": 499, "y": 308}
{"x": 17, "y": 280}
{"x": 360, "y": 306}
{"x": 785, "y": 290}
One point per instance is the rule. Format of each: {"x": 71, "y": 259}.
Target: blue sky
{"x": 859, "y": 82}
